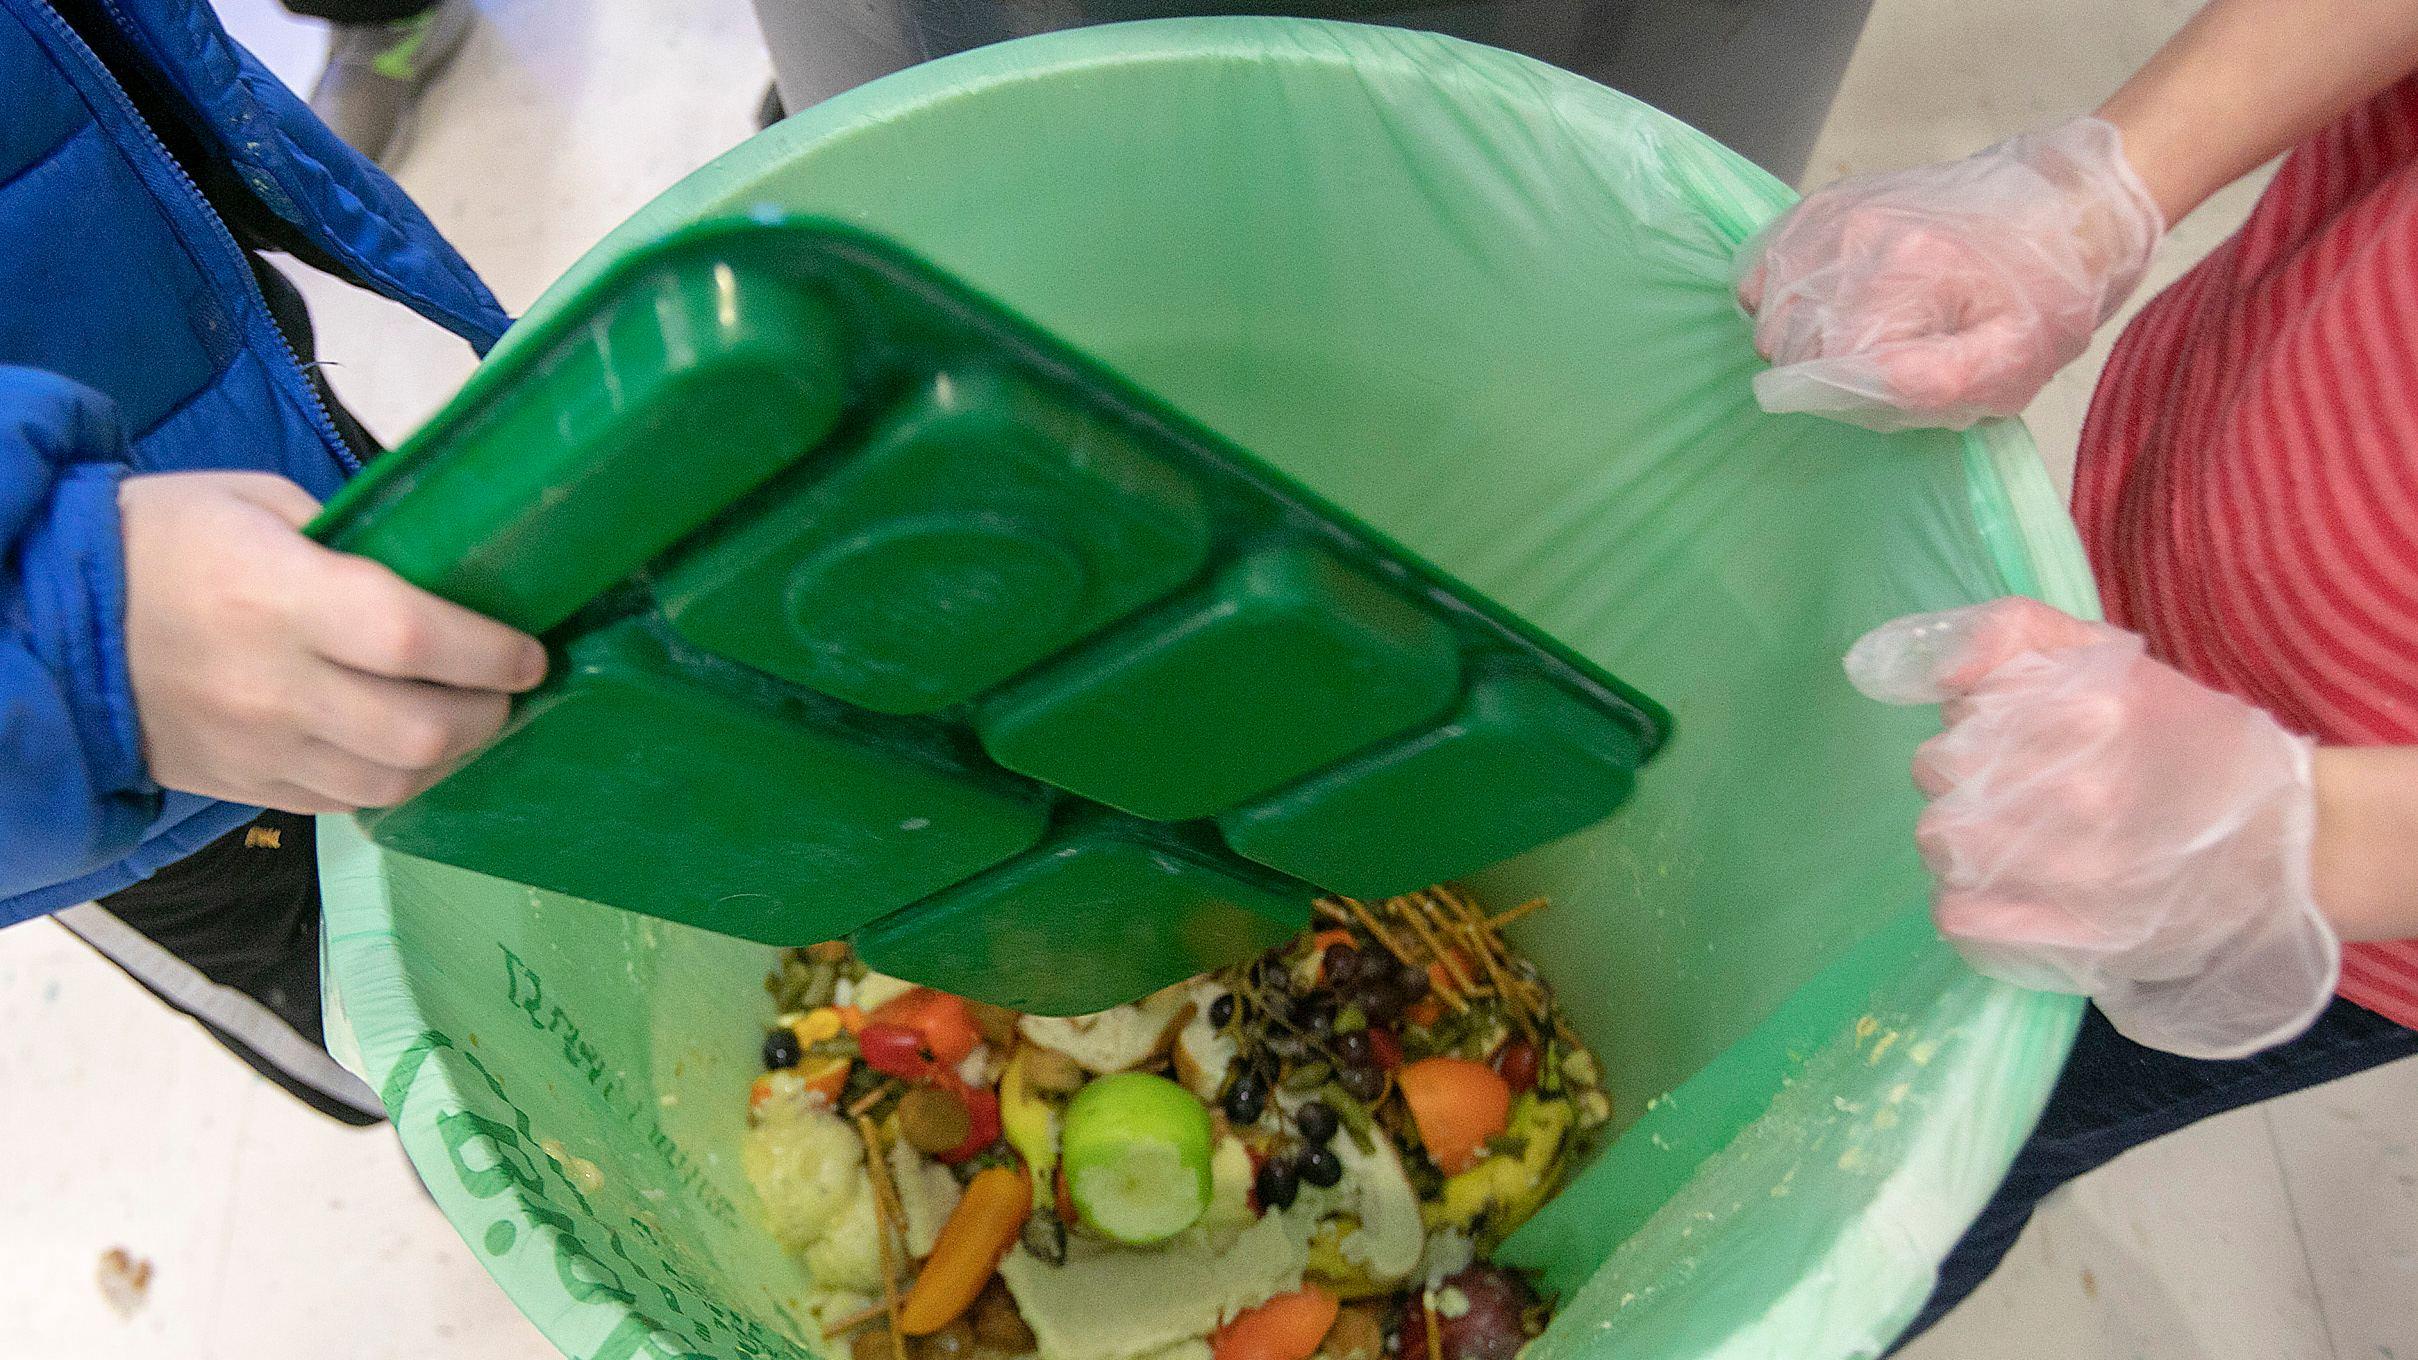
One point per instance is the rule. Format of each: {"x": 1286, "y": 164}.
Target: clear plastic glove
{"x": 1944, "y": 294}
{"x": 2102, "y": 824}
{"x": 269, "y": 670}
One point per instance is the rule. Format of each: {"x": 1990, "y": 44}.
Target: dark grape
{"x": 1315, "y": 1016}
{"x": 1321, "y": 1167}
{"x": 1277, "y": 1184}
{"x": 1361, "y": 1083}
{"x": 1408, "y": 983}
{"x": 1316, "y": 1120}
{"x": 1352, "y": 1050}
{"x": 1345, "y": 966}
{"x": 1492, "y": 1327}
{"x": 782, "y": 1049}
{"x": 1247, "y": 1097}
{"x": 1377, "y": 1002}
{"x": 1221, "y": 1011}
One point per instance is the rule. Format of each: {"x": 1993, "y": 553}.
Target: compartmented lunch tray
{"x": 878, "y": 613}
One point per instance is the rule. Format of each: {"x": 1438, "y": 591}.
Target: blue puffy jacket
{"x": 134, "y": 337}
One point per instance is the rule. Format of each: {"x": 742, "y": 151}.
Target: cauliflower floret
{"x": 1114, "y": 1040}
{"x": 848, "y": 1255}
{"x": 807, "y": 1166}
{"x": 1203, "y": 1052}
{"x": 927, "y": 1195}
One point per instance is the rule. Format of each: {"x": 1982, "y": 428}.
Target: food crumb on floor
{"x": 125, "y": 1281}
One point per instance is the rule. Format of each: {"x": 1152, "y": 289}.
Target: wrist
{"x": 2364, "y": 862}
{"x": 2167, "y": 159}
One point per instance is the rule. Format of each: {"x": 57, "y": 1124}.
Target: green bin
{"x": 1483, "y": 305}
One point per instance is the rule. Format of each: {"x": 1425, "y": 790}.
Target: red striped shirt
{"x": 2248, "y": 478}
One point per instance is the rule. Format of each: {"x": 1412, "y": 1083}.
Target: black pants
{"x": 2116, "y": 1095}
{"x": 358, "y": 11}
{"x": 230, "y": 937}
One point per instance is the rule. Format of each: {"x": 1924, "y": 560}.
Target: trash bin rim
{"x": 2015, "y": 507}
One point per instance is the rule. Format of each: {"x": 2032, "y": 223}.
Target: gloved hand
{"x": 2100, "y": 823}
{"x": 1944, "y": 294}
{"x": 269, "y": 670}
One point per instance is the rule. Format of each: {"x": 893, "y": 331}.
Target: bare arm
{"x": 2247, "y": 79}
{"x": 2244, "y": 81}
{"x": 2366, "y": 858}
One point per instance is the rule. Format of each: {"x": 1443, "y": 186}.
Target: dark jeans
{"x": 2116, "y": 1095}
{"x": 358, "y": 11}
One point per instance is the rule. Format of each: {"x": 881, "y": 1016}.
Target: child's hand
{"x": 270, "y": 670}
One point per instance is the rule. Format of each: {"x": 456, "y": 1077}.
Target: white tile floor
{"x": 2284, "y": 1233}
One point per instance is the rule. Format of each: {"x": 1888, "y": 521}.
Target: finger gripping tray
{"x": 876, "y": 613}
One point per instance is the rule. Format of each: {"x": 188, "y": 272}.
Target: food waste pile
{"x": 1310, "y": 1155}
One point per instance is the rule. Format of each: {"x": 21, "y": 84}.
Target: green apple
{"x": 1136, "y": 1150}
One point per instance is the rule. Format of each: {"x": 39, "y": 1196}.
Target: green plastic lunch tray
{"x": 876, "y": 613}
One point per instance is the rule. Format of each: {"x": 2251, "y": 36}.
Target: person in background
{"x": 2188, "y": 810}
{"x": 184, "y": 676}
{"x": 381, "y": 55}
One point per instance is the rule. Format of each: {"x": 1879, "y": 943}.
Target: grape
{"x": 1321, "y": 1167}
{"x": 1316, "y": 1120}
{"x": 1247, "y": 1098}
{"x": 1352, "y": 1050}
{"x": 1376, "y": 999}
{"x": 1491, "y": 1327}
{"x": 1361, "y": 1083}
{"x": 1278, "y": 1184}
{"x": 781, "y": 1049}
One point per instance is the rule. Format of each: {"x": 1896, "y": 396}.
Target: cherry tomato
{"x": 1385, "y": 1048}
{"x": 894, "y": 1050}
{"x": 1516, "y": 1062}
{"x": 945, "y": 1022}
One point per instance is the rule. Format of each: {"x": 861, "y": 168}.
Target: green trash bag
{"x": 1484, "y": 305}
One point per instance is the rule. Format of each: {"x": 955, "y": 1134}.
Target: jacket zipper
{"x": 322, "y": 420}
